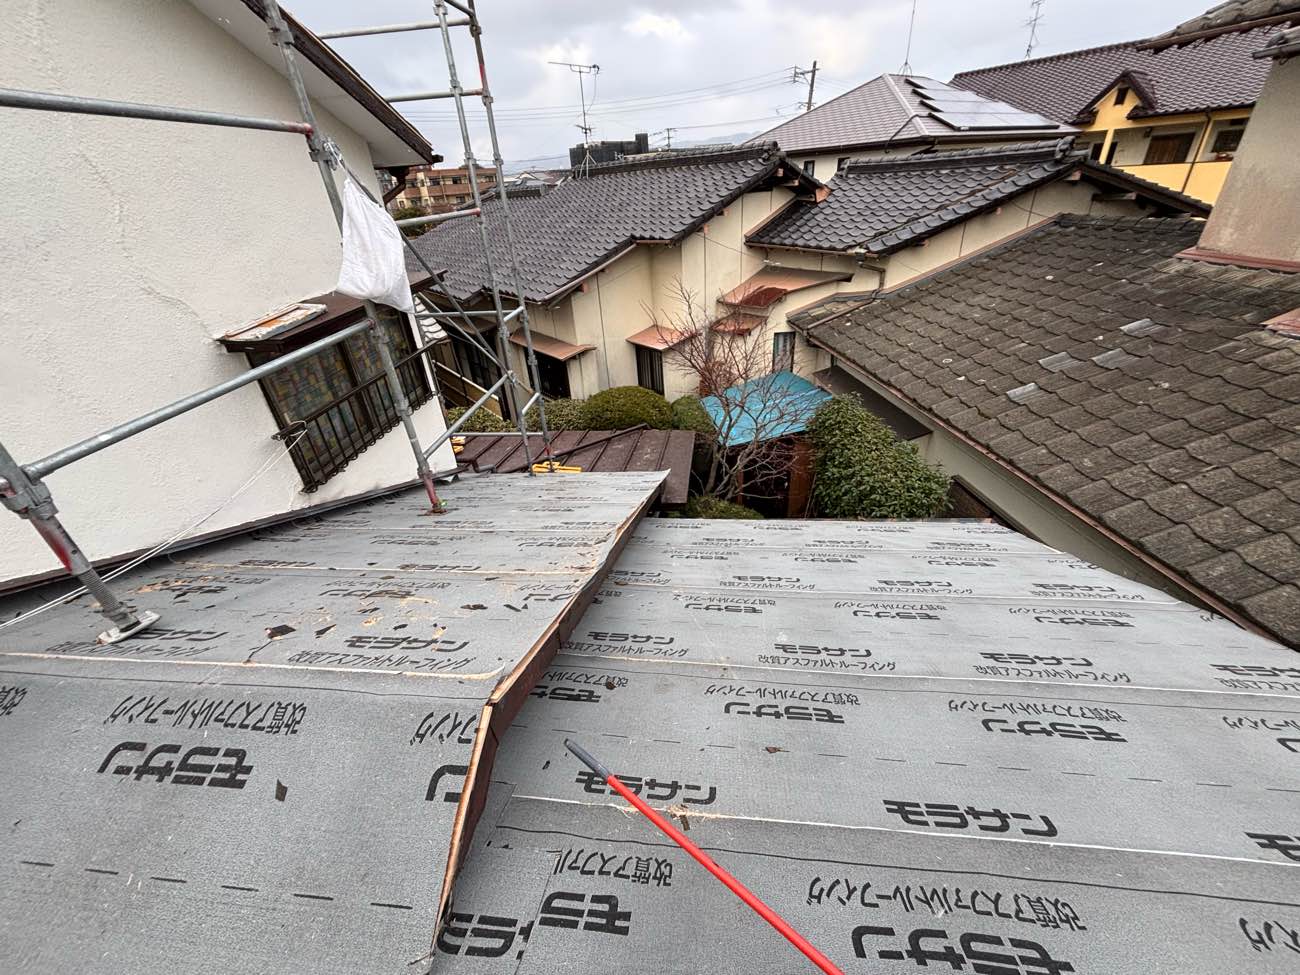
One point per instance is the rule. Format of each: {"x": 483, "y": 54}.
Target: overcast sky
{"x": 710, "y": 68}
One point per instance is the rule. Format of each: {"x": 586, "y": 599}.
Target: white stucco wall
{"x": 127, "y": 246}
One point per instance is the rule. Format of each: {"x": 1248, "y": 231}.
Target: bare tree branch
{"x": 729, "y": 359}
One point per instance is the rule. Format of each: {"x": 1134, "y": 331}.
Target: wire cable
{"x": 162, "y": 546}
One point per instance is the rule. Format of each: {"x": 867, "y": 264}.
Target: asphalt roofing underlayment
{"x": 260, "y": 782}
{"x": 932, "y": 745}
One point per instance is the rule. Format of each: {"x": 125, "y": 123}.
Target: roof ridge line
{"x": 667, "y": 159}
{"x": 979, "y": 155}
{"x": 912, "y": 114}
{"x": 1047, "y": 57}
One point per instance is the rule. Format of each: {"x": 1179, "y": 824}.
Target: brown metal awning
{"x": 552, "y": 347}
{"x": 771, "y": 284}
{"x": 596, "y": 450}
{"x": 656, "y": 337}
{"x": 340, "y": 312}
{"x": 739, "y": 323}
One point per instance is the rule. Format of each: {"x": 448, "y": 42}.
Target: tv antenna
{"x": 907, "y": 54}
{"x": 581, "y": 70}
{"x": 1035, "y": 18}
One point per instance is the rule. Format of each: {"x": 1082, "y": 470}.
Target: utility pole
{"x": 1035, "y": 18}
{"x": 811, "y": 75}
{"x": 580, "y": 70}
{"x": 668, "y": 134}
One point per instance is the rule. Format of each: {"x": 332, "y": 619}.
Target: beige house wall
{"x": 128, "y": 246}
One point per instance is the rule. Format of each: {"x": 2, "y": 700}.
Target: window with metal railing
{"x": 334, "y": 405}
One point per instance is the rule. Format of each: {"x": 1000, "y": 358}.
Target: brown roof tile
{"x": 1208, "y": 445}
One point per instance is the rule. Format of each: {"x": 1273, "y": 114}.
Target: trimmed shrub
{"x": 703, "y": 506}
{"x": 689, "y": 414}
{"x": 626, "y": 406}
{"x": 484, "y": 421}
{"x": 864, "y": 471}
{"x": 561, "y": 414}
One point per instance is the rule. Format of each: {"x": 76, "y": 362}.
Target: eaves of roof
{"x": 341, "y": 73}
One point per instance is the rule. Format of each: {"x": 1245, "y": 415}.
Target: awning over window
{"x": 279, "y": 335}
{"x": 771, "y": 284}
{"x": 656, "y": 337}
{"x": 552, "y": 347}
{"x": 739, "y": 323}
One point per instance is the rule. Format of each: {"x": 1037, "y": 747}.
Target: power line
{"x": 778, "y": 76}
{"x": 614, "y": 109}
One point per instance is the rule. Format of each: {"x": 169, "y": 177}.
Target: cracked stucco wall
{"x": 127, "y": 245}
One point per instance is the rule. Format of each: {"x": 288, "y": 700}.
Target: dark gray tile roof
{"x": 1232, "y": 15}
{"x": 1217, "y": 73}
{"x": 884, "y": 110}
{"x": 882, "y": 205}
{"x": 1177, "y": 433}
{"x": 585, "y": 220}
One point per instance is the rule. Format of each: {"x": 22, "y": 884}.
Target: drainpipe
{"x": 398, "y": 173}
{"x": 1200, "y": 148}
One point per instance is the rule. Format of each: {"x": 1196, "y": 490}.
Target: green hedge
{"x": 561, "y": 414}
{"x": 703, "y": 506}
{"x": 689, "y": 414}
{"x": 626, "y": 406}
{"x": 484, "y": 421}
{"x": 864, "y": 471}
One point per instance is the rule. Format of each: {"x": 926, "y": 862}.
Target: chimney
{"x": 642, "y": 142}
{"x": 1256, "y": 218}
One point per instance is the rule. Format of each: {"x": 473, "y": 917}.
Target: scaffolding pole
{"x": 325, "y": 161}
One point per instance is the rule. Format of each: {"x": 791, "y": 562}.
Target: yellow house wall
{"x": 1201, "y": 176}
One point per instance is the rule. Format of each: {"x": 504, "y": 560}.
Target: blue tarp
{"x": 765, "y": 408}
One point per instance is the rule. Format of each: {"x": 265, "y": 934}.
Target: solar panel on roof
{"x": 961, "y": 109}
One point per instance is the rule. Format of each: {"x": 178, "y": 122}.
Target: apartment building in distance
{"x": 434, "y": 189}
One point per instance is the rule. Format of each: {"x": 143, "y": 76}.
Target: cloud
{"x": 704, "y": 69}
{"x": 648, "y": 24}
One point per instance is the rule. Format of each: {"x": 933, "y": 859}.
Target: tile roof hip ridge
{"x": 1026, "y": 151}
{"x": 670, "y": 159}
{"x": 1118, "y": 45}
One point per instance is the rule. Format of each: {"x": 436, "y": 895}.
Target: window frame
{"x": 1156, "y": 143}
{"x": 783, "y": 347}
{"x": 358, "y": 411}
{"x": 650, "y": 369}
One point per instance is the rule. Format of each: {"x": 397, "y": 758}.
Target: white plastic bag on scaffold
{"x": 374, "y": 264}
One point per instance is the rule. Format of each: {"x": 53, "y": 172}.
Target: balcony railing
{"x": 326, "y": 440}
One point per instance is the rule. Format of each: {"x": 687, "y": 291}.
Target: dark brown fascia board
{"x": 1180, "y": 40}
{"x": 509, "y": 696}
{"x": 1238, "y": 260}
{"x": 1109, "y": 176}
{"x": 1208, "y": 598}
{"x": 1138, "y": 113}
{"x": 342, "y": 74}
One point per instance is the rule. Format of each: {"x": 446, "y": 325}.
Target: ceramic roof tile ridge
{"x": 978, "y": 156}
{"x": 668, "y": 159}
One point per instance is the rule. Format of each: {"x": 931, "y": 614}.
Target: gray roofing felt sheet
{"x": 268, "y": 781}
{"x": 930, "y": 746}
